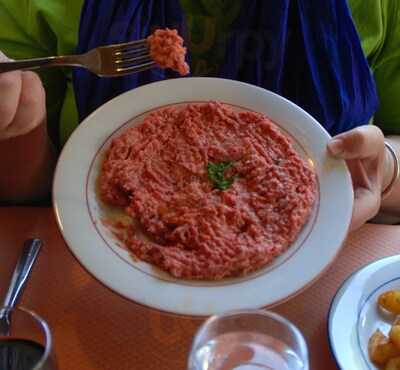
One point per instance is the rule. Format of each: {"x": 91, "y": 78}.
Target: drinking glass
{"x": 248, "y": 340}
{"x": 25, "y": 341}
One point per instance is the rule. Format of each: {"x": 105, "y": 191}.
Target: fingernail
{"x": 336, "y": 146}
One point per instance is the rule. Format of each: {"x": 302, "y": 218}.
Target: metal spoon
{"x": 24, "y": 265}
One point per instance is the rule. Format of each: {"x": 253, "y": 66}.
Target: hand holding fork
{"x": 105, "y": 61}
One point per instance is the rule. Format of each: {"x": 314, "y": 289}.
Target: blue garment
{"x": 306, "y": 50}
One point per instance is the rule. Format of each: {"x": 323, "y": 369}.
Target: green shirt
{"x": 35, "y": 28}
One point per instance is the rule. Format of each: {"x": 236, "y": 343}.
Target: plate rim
{"x": 103, "y": 281}
{"x": 336, "y": 300}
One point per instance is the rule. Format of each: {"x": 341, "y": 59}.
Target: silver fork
{"x": 106, "y": 61}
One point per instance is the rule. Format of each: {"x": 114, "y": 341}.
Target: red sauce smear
{"x": 157, "y": 171}
{"x": 167, "y": 50}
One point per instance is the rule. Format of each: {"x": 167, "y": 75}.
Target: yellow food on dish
{"x": 390, "y": 301}
{"x": 384, "y": 350}
{"x": 393, "y": 364}
{"x": 381, "y": 349}
{"x": 394, "y": 335}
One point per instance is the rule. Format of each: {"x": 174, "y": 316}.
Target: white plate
{"x": 354, "y": 314}
{"x": 78, "y": 210}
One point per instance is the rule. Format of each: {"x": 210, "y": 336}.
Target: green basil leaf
{"x": 216, "y": 173}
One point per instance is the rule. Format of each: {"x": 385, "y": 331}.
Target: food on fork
{"x": 167, "y": 50}
{"x": 217, "y": 192}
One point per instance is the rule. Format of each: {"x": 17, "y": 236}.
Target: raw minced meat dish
{"x": 167, "y": 50}
{"x": 218, "y": 193}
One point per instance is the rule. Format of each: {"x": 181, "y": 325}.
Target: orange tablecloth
{"x": 96, "y": 329}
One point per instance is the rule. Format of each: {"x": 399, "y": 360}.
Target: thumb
{"x": 360, "y": 143}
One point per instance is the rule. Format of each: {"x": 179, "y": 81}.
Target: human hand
{"x": 370, "y": 167}
{"x": 22, "y": 102}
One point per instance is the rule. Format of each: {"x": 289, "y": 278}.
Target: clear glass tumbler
{"x": 25, "y": 341}
{"x": 248, "y": 340}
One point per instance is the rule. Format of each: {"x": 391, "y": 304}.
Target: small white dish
{"x": 79, "y": 212}
{"x": 354, "y": 314}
